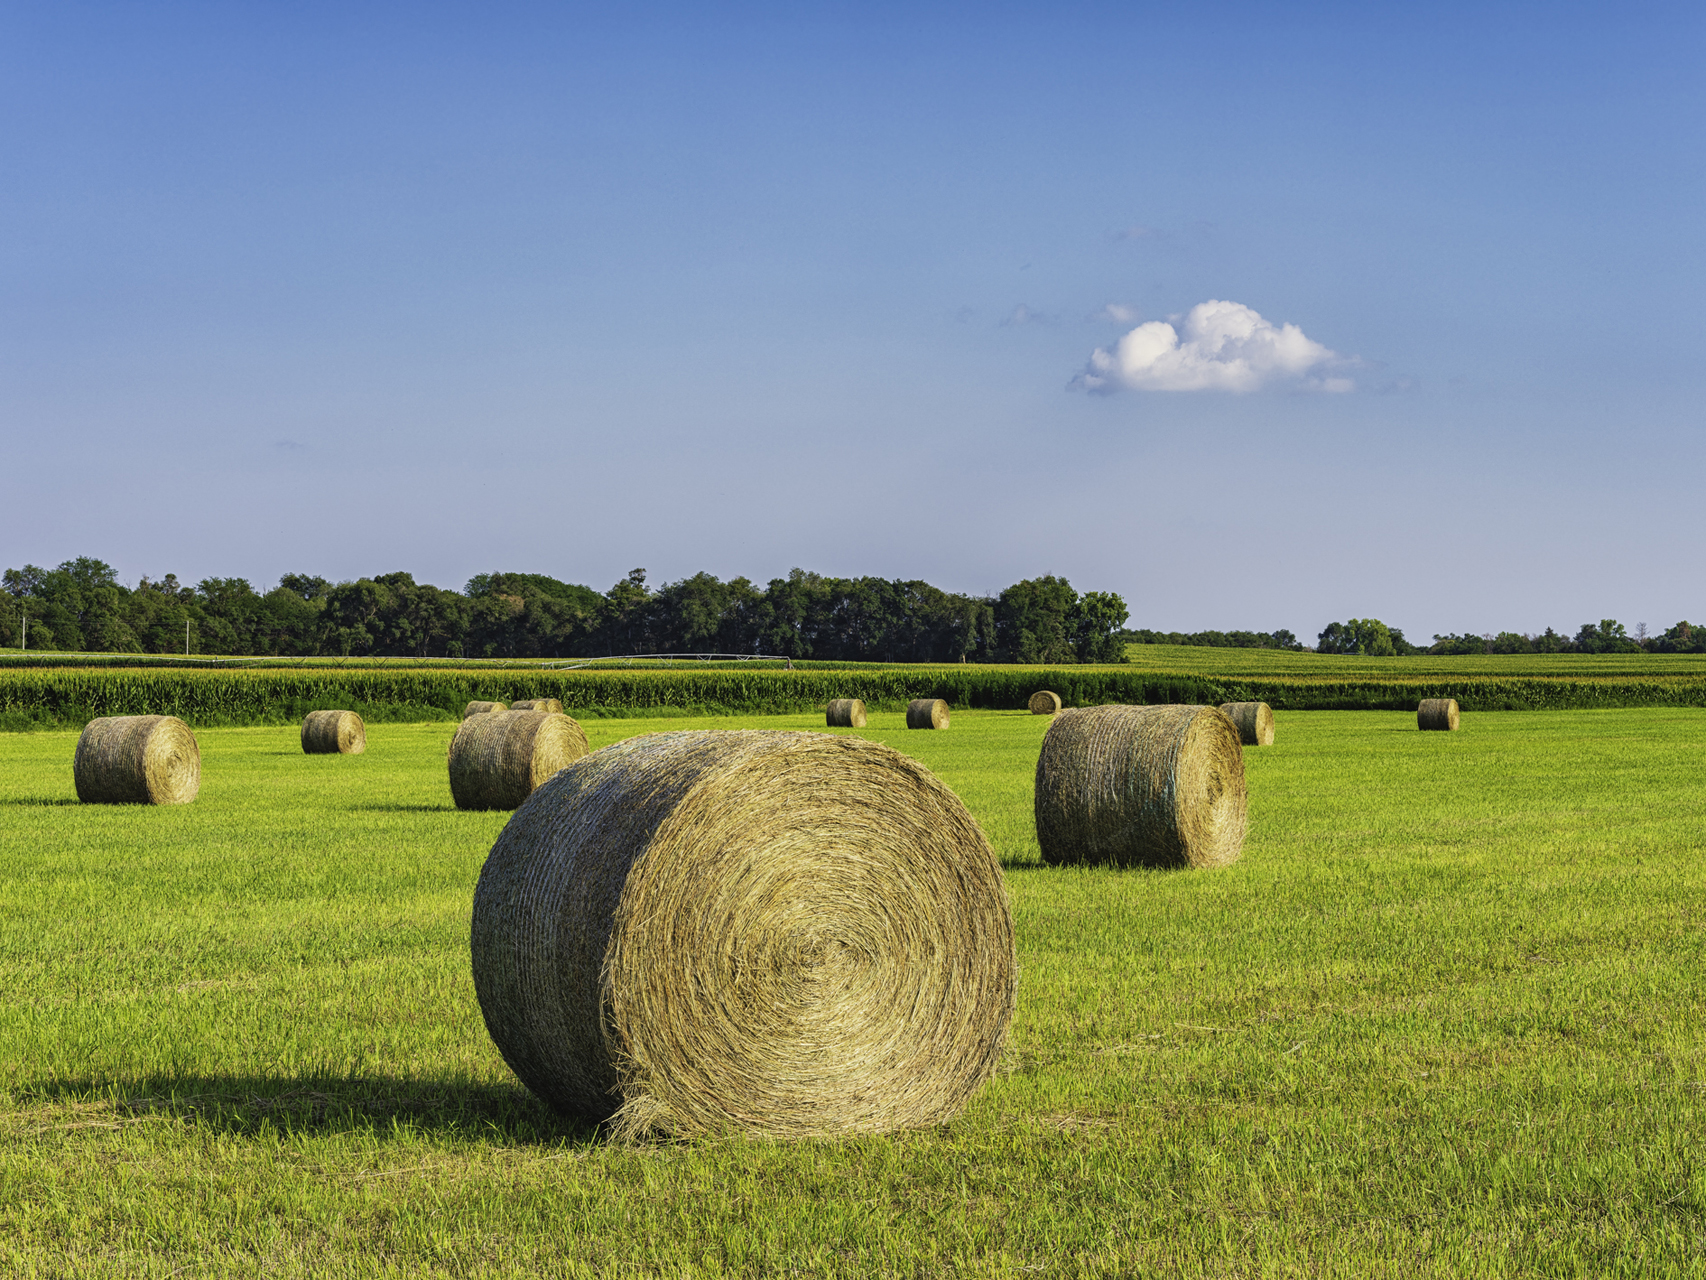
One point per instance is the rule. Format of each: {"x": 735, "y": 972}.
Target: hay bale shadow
{"x": 504, "y": 1114}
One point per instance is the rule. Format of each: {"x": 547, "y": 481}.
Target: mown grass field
{"x": 1445, "y": 1018}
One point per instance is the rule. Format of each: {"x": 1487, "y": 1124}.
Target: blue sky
{"x": 347, "y": 289}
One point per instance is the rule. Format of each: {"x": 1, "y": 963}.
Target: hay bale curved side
{"x": 1141, "y": 786}
{"x": 553, "y": 705}
{"x": 775, "y": 932}
{"x": 482, "y": 708}
{"x": 1253, "y": 720}
{"x": 333, "y": 733}
{"x": 926, "y": 713}
{"x": 498, "y": 759}
{"x": 1437, "y": 713}
{"x": 1044, "y": 702}
{"x": 845, "y": 713}
{"x": 137, "y": 760}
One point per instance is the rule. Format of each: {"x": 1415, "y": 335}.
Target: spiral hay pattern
{"x": 1437, "y": 713}
{"x": 537, "y": 704}
{"x": 1253, "y": 720}
{"x": 845, "y": 713}
{"x": 763, "y": 931}
{"x": 482, "y": 708}
{"x": 1141, "y": 786}
{"x": 137, "y": 760}
{"x": 333, "y": 732}
{"x": 926, "y": 713}
{"x": 499, "y": 758}
{"x": 1044, "y": 702}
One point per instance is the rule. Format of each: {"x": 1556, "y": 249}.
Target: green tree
{"x": 1034, "y": 621}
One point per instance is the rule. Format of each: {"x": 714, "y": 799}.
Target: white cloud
{"x": 1225, "y": 346}
{"x": 1118, "y": 312}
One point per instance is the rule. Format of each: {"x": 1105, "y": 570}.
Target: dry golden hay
{"x": 1253, "y": 720}
{"x": 763, "y": 931}
{"x": 845, "y": 713}
{"x": 1437, "y": 713}
{"x": 1141, "y": 786}
{"x": 1044, "y": 702}
{"x": 926, "y": 713}
{"x": 137, "y": 760}
{"x": 482, "y": 708}
{"x": 498, "y": 759}
{"x": 537, "y": 704}
{"x": 333, "y": 732}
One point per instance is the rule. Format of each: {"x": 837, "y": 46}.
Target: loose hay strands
{"x": 499, "y": 758}
{"x": 1141, "y": 786}
{"x": 537, "y": 704}
{"x": 1437, "y": 713}
{"x": 1254, "y": 721}
{"x": 926, "y": 713}
{"x": 137, "y": 760}
{"x": 1044, "y": 702}
{"x": 333, "y": 732}
{"x": 764, "y": 931}
{"x": 845, "y": 713}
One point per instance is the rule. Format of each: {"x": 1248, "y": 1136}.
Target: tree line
{"x": 81, "y": 606}
{"x": 1373, "y": 638}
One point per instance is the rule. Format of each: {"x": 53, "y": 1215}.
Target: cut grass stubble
{"x": 1444, "y": 1017}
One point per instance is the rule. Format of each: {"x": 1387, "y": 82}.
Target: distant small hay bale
{"x": 1437, "y": 713}
{"x": 499, "y": 758}
{"x": 537, "y": 704}
{"x": 1254, "y": 721}
{"x": 1141, "y": 786}
{"x": 483, "y": 708}
{"x": 926, "y": 713}
{"x": 771, "y": 932}
{"x": 1044, "y": 702}
{"x": 333, "y": 733}
{"x": 137, "y": 760}
{"x": 845, "y": 713}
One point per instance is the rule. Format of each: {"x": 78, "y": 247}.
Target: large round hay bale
{"x": 333, "y": 732}
{"x": 498, "y": 759}
{"x": 137, "y": 760}
{"x": 1437, "y": 713}
{"x": 1044, "y": 702}
{"x": 537, "y": 704}
{"x": 845, "y": 713}
{"x": 483, "y": 708}
{"x": 1141, "y": 786}
{"x": 926, "y": 713}
{"x": 1253, "y": 720}
{"x": 775, "y": 932}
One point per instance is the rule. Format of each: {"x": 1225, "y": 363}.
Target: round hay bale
{"x": 1044, "y": 703}
{"x": 137, "y": 760}
{"x": 772, "y": 932}
{"x": 1437, "y": 713}
{"x": 537, "y": 704}
{"x": 1141, "y": 786}
{"x": 497, "y": 759}
{"x": 482, "y": 708}
{"x": 845, "y": 713}
{"x": 926, "y": 713}
{"x": 333, "y": 732}
{"x": 1253, "y": 720}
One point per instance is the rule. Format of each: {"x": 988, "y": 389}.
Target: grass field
{"x": 1445, "y": 1018}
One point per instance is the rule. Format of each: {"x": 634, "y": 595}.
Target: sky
{"x": 1258, "y": 315}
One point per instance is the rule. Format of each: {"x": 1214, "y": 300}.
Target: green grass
{"x": 1444, "y": 1018}
{"x": 1217, "y": 663}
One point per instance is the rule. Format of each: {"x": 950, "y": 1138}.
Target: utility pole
{"x": 186, "y": 637}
